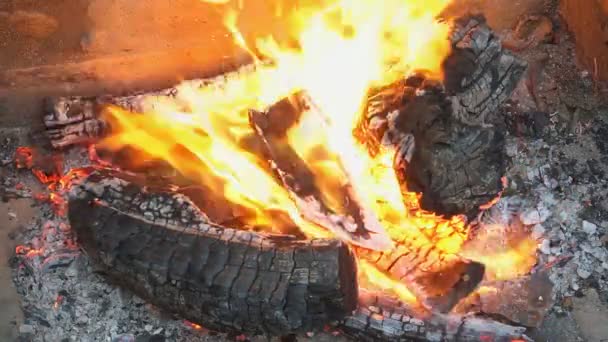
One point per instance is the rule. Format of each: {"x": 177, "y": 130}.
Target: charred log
{"x": 457, "y": 159}
{"x": 438, "y": 280}
{"x": 457, "y": 167}
{"x": 479, "y": 74}
{"x": 77, "y": 119}
{"x": 381, "y": 318}
{"x": 164, "y": 249}
{"x": 357, "y": 224}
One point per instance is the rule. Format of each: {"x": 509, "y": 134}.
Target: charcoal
{"x": 399, "y": 323}
{"x": 226, "y": 279}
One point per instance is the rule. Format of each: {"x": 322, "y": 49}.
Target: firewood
{"x": 457, "y": 160}
{"x": 438, "y": 280}
{"x": 357, "y": 225}
{"x": 383, "y": 318}
{"x": 162, "y": 247}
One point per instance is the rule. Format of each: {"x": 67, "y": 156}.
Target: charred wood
{"x": 479, "y": 74}
{"x": 456, "y": 160}
{"x": 381, "y": 318}
{"x": 164, "y": 249}
{"x": 457, "y": 167}
{"x": 438, "y": 280}
{"x": 523, "y": 301}
{"x": 356, "y": 224}
{"x": 77, "y": 119}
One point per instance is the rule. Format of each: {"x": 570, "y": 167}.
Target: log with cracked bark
{"x": 163, "y": 248}
{"x": 381, "y": 317}
{"x": 456, "y": 157}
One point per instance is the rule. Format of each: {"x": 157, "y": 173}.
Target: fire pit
{"x": 349, "y": 182}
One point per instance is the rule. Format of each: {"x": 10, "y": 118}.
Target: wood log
{"x": 164, "y": 249}
{"x": 356, "y": 224}
{"x": 457, "y": 167}
{"x": 77, "y": 119}
{"x": 383, "y": 318}
{"x": 438, "y": 280}
{"x": 457, "y": 159}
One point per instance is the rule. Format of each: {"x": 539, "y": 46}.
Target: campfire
{"x": 346, "y": 178}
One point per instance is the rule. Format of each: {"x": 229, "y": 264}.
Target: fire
{"x": 384, "y": 282}
{"x": 28, "y": 251}
{"x": 342, "y": 50}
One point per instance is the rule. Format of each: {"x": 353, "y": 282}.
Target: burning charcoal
{"x": 227, "y": 279}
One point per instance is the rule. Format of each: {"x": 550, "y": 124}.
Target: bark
{"x": 164, "y": 249}
{"x": 382, "y": 318}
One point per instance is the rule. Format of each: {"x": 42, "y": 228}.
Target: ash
{"x": 65, "y": 299}
{"x": 557, "y": 145}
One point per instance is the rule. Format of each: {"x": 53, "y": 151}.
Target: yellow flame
{"x": 384, "y": 282}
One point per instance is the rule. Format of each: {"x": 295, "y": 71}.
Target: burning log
{"x": 357, "y": 225}
{"x": 381, "y": 317}
{"x": 438, "y": 280}
{"x": 457, "y": 161}
{"x": 77, "y": 119}
{"x": 163, "y": 248}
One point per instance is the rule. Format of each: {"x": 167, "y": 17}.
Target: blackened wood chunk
{"x": 458, "y": 159}
{"x": 383, "y": 318}
{"x": 163, "y": 248}
{"x": 479, "y": 74}
{"x": 438, "y": 280}
{"x": 457, "y": 167}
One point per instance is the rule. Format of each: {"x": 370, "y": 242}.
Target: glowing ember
{"x": 58, "y": 302}
{"x": 193, "y": 326}
{"x": 28, "y": 251}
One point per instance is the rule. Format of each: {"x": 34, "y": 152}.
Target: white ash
{"x": 561, "y": 173}
{"x": 64, "y": 299}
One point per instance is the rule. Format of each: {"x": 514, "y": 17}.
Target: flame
{"x": 507, "y": 252}
{"x": 343, "y": 49}
{"x": 383, "y": 281}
